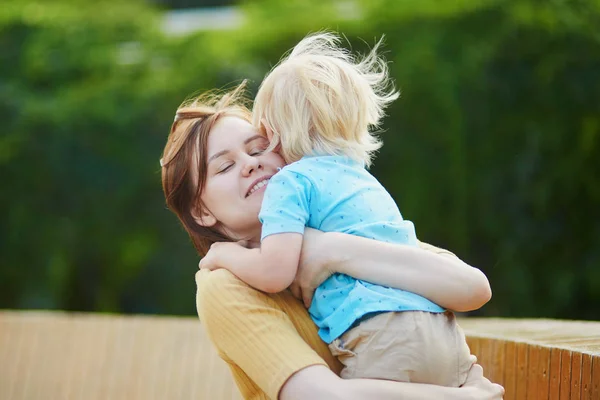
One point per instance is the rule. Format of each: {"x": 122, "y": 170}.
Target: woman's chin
{"x": 252, "y": 204}
{"x": 257, "y": 195}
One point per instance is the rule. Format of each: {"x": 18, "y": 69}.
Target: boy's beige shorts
{"x": 408, "y": 346}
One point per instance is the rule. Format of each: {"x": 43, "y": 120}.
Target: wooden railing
{"x": 53, "y": 355}
{"x": 538, "y": 359}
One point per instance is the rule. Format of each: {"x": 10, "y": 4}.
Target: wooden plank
{"x": 522, "y": 369}
{"x": 510, "y": 370}
{"x": 532, "y": 370}
{"x": 586, "y": 377}
{"x": 576, "y": 375}
{"x": 473, "y": 343}
{"x": 554, "y": 385}
{"x": 485, "y": 357}
{"x": 542, "y": 373}
{"x": 11, "y": 338}
{"x": 565, "y": 374}
{"x": 496, "y": 362}
{"x": 501, "y": 359}
{"x": 596, "y": 377}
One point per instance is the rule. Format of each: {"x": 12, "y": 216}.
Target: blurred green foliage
{"x": 492, "y": 150}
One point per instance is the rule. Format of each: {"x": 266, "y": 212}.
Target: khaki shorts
{"x": 408, "y": 346}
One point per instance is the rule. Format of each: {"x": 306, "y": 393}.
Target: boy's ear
{"x": 204, "y": 217}
{"x": 269, "y": 133}
{"x": 268, "y": 129}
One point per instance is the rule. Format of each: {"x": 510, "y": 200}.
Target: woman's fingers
{"x": 475, "y": 374}
{"x": 481, "y": 386}
{"x": 296, "y": 291}
{"x": 302, "y": 292}
{"x": 499, "y": 390}
{"x": 307, "y": 296}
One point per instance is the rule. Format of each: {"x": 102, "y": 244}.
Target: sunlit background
{"x": 493, "y": 150}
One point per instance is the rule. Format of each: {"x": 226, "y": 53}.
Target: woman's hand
{"x": 479, "y": 387}
{"x": 319, "y": 382}
{"x": 313, "y": 266}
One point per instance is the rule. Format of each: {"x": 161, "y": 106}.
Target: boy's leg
{"x": 447, "y": 357}
{"x": 407, "y": 347}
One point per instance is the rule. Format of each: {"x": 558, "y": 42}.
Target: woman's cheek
{"x": 276, "y": 160}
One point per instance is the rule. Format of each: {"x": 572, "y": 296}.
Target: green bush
{"x": 492, "y": 149}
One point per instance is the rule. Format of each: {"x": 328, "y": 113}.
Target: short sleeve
{"x": 285, "y": 207}
{"x": 265, "y": 339}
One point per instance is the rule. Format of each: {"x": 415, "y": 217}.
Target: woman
{"x": 214, "y": 172}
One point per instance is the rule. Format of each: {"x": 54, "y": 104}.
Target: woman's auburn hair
{"x": 321, "y": 99}
{"x": 184, "y": 159}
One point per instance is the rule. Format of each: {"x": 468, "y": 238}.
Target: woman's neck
{"x": 253, "y": 244}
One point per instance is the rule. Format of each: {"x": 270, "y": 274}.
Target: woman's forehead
{"x": 229, "y": 132}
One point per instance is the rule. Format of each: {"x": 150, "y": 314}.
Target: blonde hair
{"x": 321, "y": 99}
{"x": 184, "y": 159}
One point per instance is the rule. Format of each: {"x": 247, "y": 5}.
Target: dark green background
{"x": 493, "y": 149}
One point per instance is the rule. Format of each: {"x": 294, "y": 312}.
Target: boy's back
{"x": 344, "y": 197}
{"x": 337, "y": 194}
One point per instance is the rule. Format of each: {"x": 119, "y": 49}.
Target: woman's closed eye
{"x": 256, "y": 152}
{"x": 224, "y": 168}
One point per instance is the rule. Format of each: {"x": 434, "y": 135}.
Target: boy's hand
{"x": 214, "y": 258}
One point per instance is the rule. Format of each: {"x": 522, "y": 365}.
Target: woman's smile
{"x": 258, "y": 185}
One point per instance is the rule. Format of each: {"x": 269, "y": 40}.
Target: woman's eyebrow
{"x": 217, "y": 155}
{"x": 222, "y": 152}
{"x": 254, "y": 138}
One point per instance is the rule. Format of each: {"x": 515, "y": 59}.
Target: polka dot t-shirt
{"x": 337, "y": 194}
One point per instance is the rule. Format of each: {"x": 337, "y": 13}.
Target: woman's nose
{"x": 252, "y": 165}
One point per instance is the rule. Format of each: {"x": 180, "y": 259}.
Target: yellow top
{"x": 264, "y": 338}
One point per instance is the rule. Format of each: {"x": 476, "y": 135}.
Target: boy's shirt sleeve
{"x": 285, "y": 207}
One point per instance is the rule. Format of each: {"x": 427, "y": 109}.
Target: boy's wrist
{"x": 229, "y": 258}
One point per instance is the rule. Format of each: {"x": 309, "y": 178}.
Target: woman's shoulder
{"x": 214, "y": 289}
{"x": 211, "y": 280}
{"x": 220, "y": 287}
{"x": 221, "y": 296}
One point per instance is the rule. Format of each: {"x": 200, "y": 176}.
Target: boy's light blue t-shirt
{"x": 337, "y": 194}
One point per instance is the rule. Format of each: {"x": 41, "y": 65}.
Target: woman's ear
{"x": 204, "y": 218}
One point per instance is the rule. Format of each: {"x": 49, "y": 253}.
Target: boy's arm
{"x": 283, "y": 214}
{"x": 270, "y": 268}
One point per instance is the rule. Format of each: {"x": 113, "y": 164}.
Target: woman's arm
{"x": 273, "y": 349}
{"x": 428, "y": 271}
{"x": 318, "y": 382}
